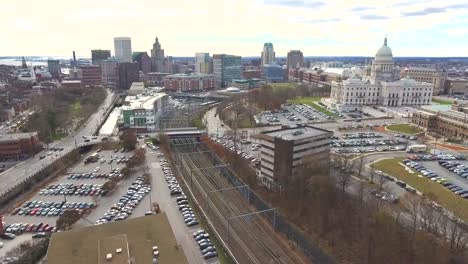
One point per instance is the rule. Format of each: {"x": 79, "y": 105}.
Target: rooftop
{"x": 17, "y": 136}
{"x": 296, "y": 133}
{"x": 141, "y": 101}
{"x": 135, "y": 237}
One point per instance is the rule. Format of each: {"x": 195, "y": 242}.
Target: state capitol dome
{"x": 384, "y": 53}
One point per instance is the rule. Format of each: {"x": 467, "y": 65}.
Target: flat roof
{"x": 137, "y": 86}
{"x": 86, "y": 245}
{"x": 292, "y": 133}
{"x": 142, "y": 101}
{"x": 17, "y": 136}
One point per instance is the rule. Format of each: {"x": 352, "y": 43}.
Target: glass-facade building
{"x": 273, "y": 73}
{"x": 226, "y": 68}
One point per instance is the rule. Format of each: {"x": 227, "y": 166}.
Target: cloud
{"x": 24, "y": 24}
{"x": 295, "y": 3}
{"x": 374, "y": 17}
{"x": 425, "y": 11}
{"x": 315, "y": 21}
{"x": 362, "y": 8}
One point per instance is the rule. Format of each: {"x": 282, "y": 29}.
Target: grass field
{"x": 442, "y": 102}
{"x": 445, "y": 197}
{"x": 278, "y": 86}
{"x": 312, "y": 101}
{"x": 142, "y": 233}
{"x": 404, "y": 128}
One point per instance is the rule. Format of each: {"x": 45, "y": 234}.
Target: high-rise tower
{"x": 123, "y": 49}
{"x": 157, "y": 57}
{"x": 268, "y": 54}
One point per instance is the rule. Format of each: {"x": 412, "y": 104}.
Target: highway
{"x": 23, "y": 170}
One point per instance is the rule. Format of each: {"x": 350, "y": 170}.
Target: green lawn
{"x": 312, "y": 101}
{"x": 404, "y": 128}
{"x": 442, "y": 102}
{"x": 279, "y": 86}
{"x": 445, "y": 197}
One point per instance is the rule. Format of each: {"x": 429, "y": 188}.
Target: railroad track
{"x": 258, "y": 242}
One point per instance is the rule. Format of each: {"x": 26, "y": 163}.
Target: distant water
{"x": 35, "y": 61}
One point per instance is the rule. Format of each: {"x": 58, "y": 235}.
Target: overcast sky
{"x": 328, "y": 27}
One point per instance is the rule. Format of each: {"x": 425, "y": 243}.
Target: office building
{"x": 226, "y": 68}
{"x": 109, "y": 73}
{"x": 273, "y": 73}
{"x": 157, "y": 57}
{"x": 90, "y": 75}
{"x": 19, "y": 145}
{"x": 295, "y": 59}
{"x": 451, "y": 124}
{"x": 54, "y": 68}
{"x": 127, "y": 74}
{"x": 123, "y": 49}
{"x": 380, "y": 85}
{"x": 99, "y": 55}
{"x": 203, "y": 63}
{"x": 283, "y": 151}
{"x": 189, "y": 82}
{"x": 268, "y": 54}
{"x": 456, "y": 87}
{"x": 130, "y": 241}
{"x": 143, "y": 60}
{"x": 143, "y": 111}
{"x": 428, "y": 75}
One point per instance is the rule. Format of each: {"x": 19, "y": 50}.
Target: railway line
{"x": 248, "y": 236}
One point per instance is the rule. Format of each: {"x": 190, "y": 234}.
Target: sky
{"x": 430, "y": 28}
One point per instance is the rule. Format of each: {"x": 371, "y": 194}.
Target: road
{"x": 160, "y": 194}
{"x": 25, "y": 169}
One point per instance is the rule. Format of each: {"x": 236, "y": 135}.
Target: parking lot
{"x": 366, "y": 142}
{"x": 79, "y": 188}
{"x": 292, "y": 114}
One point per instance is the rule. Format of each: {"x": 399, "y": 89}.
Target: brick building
{"x": 20, "y": 145}
{"x": 189, "y": 82}
{"x": 90, "y": 75}
{"x": 283, "y": 151}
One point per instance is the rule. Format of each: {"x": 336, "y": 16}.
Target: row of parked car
{"x": 456, "y": 167}
{"x": 440, "y": 157}
{"x": 436, "y": 178}
{"x": 207, "y": 248}
{"x": 182, "y": 202}
{"x": 366, "y": 142}
{"x": 124, "y": 207}
{"x": 114, "y": 173}
{"x": 47, "y": 208}
{"x": 360, "y": 135}
{"x": 39, "y": 230}
{"x": 172, "y": 183}
{"x": 228, "y": 144}
{"x": 83, "y": 189}
{"x": 368, "y": 149}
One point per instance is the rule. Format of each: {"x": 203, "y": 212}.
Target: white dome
{"x": 384, "y": 52}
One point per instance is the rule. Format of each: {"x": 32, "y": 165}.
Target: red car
{"x": 31, "y": 228}
{"x": 43, "y": 228}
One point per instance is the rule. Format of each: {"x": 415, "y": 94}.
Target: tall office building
{"x": 127, "y": 74}
{"x": 226, "y": 68}
{"x": 99, "y": 55}
{"x": 157, "y": 57}
{"x": 268, "y": 54}
{"x": 295, "y": 59}
{"x": 123, "y": 49}
{"x": 109, "y": 72}
{"x": 54, "y": 68}
{"x": 203, "y": 63}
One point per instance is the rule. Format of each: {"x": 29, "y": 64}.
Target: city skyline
{"x": 317, "y": 28}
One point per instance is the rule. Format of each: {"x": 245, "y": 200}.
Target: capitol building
{"x": 380, "y": 85}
